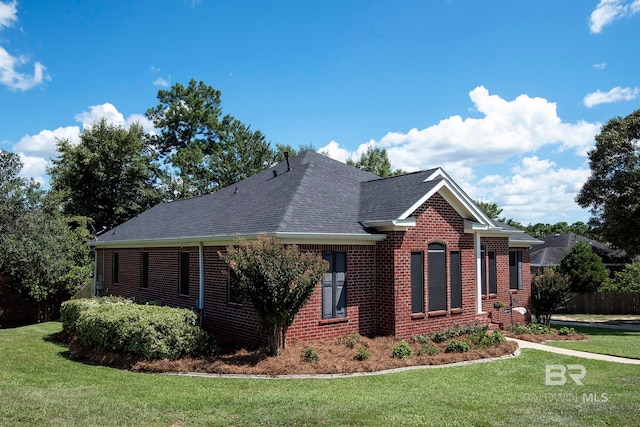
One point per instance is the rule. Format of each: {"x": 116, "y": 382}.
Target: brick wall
{"x": 378, "y": 283}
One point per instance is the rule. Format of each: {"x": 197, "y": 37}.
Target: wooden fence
{"x": 604, "y": 303}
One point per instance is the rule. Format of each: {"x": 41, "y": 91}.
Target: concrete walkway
{"x": 576, "y": 353}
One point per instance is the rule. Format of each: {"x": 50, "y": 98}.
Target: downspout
{"x": 476, "y": 238}
{"x": 95, "y": 273}
{"x": 201, "y": 288}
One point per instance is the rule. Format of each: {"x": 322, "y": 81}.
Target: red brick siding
{"x": 378, "y": 283}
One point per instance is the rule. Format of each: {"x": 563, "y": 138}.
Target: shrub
{"x": 428, "y": 349}
{"x": 457, "y": 346}
{"x": 439, "y": 336}
{"x": 309, "y": 355}
{"x": 362, "y": 354}
{"x": 481, "y": 339}
{"x": 566, "y": 331}
{"x": 422, "y": 339}
{"x": 497, "y": 337}
{"x": 456, "y": 331}
{"x": 402, "y": 351}
{"x": 352, "y": 339}
{"x": 71, "y": 310}
{"x": 518, "y": 329}
{"x": 540, "y": 329}
{"x": 151, "y": 332}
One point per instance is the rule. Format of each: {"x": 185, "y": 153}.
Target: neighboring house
{"x": 407, "y": 255}
{"x": 555, "y": 246}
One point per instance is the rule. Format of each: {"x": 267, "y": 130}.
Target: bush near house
{"x": 152, "y": 332}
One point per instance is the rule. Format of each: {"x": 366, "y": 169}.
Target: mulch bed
{"x": 335, "y": 357}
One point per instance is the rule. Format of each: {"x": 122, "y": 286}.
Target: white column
{"x": 476, "y": 241}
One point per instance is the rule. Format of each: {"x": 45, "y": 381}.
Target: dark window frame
{"x": 115, "y": 268}
{"x": 492, "y": 272}
{"x": 233, "y": 295}
{"x": 144, "y": 270}
{"x": 417, "y": 282}
{"x": 437, "y": 276}
{"x": 515, "y": 270}
{"x": 334, "y": 285}
{"x": 455, "y": 278}
{"x": 183, "y": 273}
{"x": 483, "y": 270}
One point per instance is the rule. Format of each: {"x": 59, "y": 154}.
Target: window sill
{"x": 493, "y": 296}
{"x": 142, "y": 288}
{"x": 513, "y": 291}
{"x": 456, "y": 311}
{"x": 438, "y": 313}
{"x": 418, "y": 316}
{"x": 333, "y": 321}
{"x": 235, "y": 304}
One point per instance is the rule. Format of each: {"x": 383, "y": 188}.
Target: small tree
{"x": 278, "y": 281}
{"x": 584, "y": 268}
{"x": 549, "y": 292}
{"x": 626, "y": 280}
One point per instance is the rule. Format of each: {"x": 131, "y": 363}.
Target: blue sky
{"x": 505, "y": 96}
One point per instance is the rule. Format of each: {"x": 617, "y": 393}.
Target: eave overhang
{"x": 224, "y": 240}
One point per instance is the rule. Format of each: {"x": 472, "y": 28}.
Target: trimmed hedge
{"x": 152, "y": 332}
{"x": 71, "y": 310}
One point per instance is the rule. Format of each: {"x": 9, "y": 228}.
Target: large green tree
{"x": 43, "y": 251}
{"x": 612, "y": 192}
{"x": 278, "y": 280}
{"x": 584, "y": 268}
{"x": 492, "y": 209}
{"x": 109, "y": 177}
{"x": 375, "y": 160}
{"x": 203, "y": 151}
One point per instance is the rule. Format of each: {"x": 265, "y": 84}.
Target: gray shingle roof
{"x": 555, "y": 246}
{"x": 317, "y": 195}
{"x": 388, "y": 198}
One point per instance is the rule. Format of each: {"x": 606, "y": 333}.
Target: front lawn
{"x": 614, "y": 342}
{"x": 39, "y": 385}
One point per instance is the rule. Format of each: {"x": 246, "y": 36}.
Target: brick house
{"x": 408, "y": 254}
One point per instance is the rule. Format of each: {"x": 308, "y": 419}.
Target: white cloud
{"x": 96, "y": 112}
{"x": 10, "y": 64}
{"x": 534, "y": 189}
{"x": 538, "y": 191}
{"x": 8, "y": 14}
{"x": 507, "y": 128}
{"x": 34, "y": 167}
{"x": 608, "y": 11}
{"x": 13, "y": 79}
{"x": 161, "y": 81}
{"x": 44, "y": 143}
{"x": 616, "y": 94}
{"x": 36, "y": 151}
{"x": 602, "y": 65}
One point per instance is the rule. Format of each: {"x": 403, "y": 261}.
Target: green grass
{"x": 39, "y": 385}
{"x": 614, "y": 342}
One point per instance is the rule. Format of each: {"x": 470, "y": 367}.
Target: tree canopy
{"x": 205, "y": 151}
{"x": 278, "y": 280}
{"x": 376, "y": 161}
{"x": 43, "y": 252}
{"x": 612, "y": 192}
{"x": 549, "y": 292}
{"x": 584, "y": 268}
{"x": 109, "y": 177}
